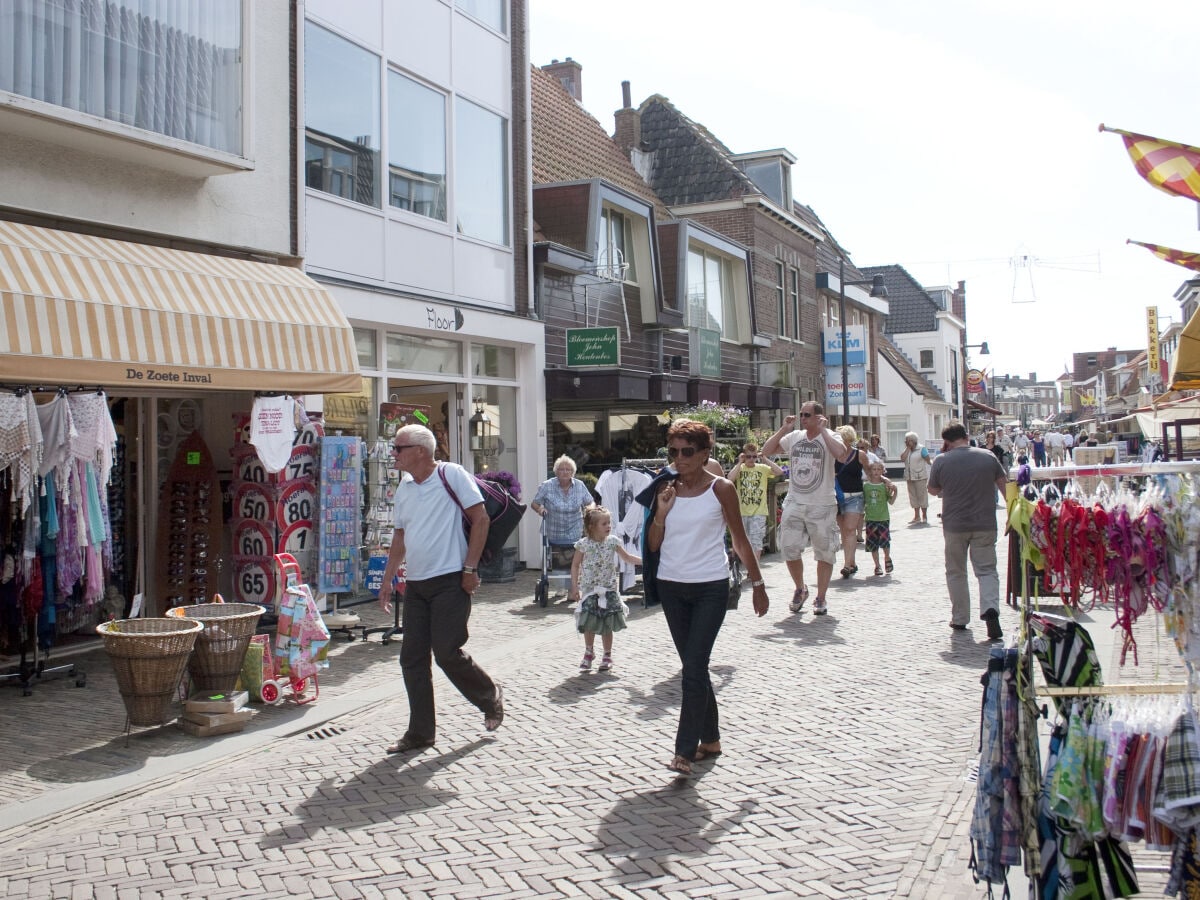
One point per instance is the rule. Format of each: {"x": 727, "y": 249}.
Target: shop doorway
{"x": 409, "y": 401}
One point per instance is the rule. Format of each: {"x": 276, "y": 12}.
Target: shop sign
{"x": 833, "y": 385}
{"x": 856, "y": 346}
{"x": 707, "y": 353}
{"x": 146, "y": 375}
{"x": 593, "y": 346}
{"x": 1152, "y": 339}
{"x": 976, "y": 382}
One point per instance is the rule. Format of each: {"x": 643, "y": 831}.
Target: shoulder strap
{"x": 450, "y": 490}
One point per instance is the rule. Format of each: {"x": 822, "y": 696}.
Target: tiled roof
{"x": 569, "y": 144}
{"x": 829, "y": 251}
{"x": 689, "y": 164}
{"x": 907, "y": 371}
{"x": 910, "y": 308}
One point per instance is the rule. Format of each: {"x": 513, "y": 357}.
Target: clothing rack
{"x": 1104, "y": 690}
{"x": 62, "y": 390}
{"x": 1047, "y": 473}
{"x": 657, "y": 462}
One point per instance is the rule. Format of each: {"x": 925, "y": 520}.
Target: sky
{"x": 957, "y": 139}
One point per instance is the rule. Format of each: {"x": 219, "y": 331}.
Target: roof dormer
{"x": 771, "y": 172}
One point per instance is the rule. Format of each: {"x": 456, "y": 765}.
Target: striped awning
{"x": 78, "y": 309}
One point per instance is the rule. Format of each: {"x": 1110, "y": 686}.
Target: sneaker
{"x": 798, "y": 598}
{"x": 819, "y": 607}
{"x": 992, "y": 618}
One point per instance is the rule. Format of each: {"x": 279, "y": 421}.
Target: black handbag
{"x": 503, "y": 510}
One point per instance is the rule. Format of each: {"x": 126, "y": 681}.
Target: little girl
{"x": 594, "y": 579}
{"x": 878, "y": 492}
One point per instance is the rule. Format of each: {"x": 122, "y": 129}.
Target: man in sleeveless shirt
{"x": 810, "y": 509}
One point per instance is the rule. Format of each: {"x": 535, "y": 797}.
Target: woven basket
{"x": 220, "y": 648}
{"x": 148, "y": 657}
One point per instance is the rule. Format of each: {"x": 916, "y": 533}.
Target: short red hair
{"x": 695, "y": 433}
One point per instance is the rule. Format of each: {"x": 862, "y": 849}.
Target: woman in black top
{"x": 850, "y": 477}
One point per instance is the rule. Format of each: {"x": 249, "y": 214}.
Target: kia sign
{"x": 833, "y": 385}
{"x": 856, "y": 346}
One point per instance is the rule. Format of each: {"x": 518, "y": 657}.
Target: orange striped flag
{"x": 1170, "y": 167}
{"x": 1179, "y": 257}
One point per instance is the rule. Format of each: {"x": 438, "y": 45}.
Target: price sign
{"x": 252, "y": 538}
{"x": 253, "y": 501}
{"x": 254, "y": 582}
{"x": 297, "y": 503}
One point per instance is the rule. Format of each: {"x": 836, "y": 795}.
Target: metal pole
{"x": 842, "y": 326}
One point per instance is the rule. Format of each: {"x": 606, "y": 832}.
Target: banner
{"x": 1169, "y": 166}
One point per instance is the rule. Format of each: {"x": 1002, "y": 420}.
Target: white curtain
{"x": 168, "y": 66}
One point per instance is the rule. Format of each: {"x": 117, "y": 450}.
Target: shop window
{"x": 493, "y": 362}
{"x": 367, "y": 348}
{"x": 342, "y": 117}
{"x": 416, "y": 148}
{"x": 162, "y": 68}
{"x": 432, "y": 355}
{"x": 481, "y": 173}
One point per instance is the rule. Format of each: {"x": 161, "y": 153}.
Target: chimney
{"x": 958, "y": 301}
{"x": 1032, "y": 377}
{"x": 569, "y": 74}
{"x": 628, "y": 134}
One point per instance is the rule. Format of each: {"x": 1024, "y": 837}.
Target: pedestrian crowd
{"x": 697, "y": 521}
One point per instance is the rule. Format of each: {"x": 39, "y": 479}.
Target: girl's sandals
{"x": 605, "y": 662}
{"x": 586, "y": 663}
{"x": 680, "y": 765}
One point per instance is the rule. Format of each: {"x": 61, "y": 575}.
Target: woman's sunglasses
{"x": 688, "y": 452}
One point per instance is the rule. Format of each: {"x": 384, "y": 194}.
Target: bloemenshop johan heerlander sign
{"x": 593, "y": 347}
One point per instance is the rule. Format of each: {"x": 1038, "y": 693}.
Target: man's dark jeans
{"x": 436, "y": 611}
{"x": 694, "y": 614}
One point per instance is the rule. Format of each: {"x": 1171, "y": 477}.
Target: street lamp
{"x": 878, "y": 289}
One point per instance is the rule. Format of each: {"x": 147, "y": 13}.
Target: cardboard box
{"x": 213, "y": 702}
{"x": 208, "y": 724}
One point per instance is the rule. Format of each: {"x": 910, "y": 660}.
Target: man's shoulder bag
{"x": 503, "y": 510}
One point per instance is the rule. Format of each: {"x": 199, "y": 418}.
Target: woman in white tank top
{"x": 690, "y": 575}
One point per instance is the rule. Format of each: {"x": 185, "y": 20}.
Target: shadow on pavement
{"x": 382, "y": 794}
{"x": 805, "y": 630}
{"x": 671, "y": 821}
{"x": 966, "y": 651}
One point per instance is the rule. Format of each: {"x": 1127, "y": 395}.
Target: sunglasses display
{"x": 190, "y": 522}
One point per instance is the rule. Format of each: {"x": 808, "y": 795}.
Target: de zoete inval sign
{"x": 593, "y": 346}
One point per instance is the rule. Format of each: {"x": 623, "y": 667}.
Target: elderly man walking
{"x": 967, "y": 478}
{"x": 810, "y": 510}
{"x": 430, "y": 502}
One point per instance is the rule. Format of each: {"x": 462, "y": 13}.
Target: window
{"x": 926, "y": 359}
{"x": 364, "y": 344}
{"x": 493, "y": 362}
{"x": 794, "y": 298}
{"x": 780, "y": 291}
{"x": 490, "y": 12}
{"x": 710, "y": 294}
{"x": 424, "y": 354}
{"x": 341, "y": 129}
{"x": 1091, "y": 361}
{"x": 616, "y": 246}
{"x": 768, "y": 177}
{"x": 170, "y": 71}
{"x": 416, "y": 148}
{"x": 481, "y": 173}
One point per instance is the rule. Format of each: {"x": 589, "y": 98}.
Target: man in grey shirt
{"x": 967, "y": 478}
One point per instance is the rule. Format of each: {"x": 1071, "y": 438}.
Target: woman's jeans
{"x": 694, "y": 614}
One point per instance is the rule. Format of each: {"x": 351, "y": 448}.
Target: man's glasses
{"x": 688, "y": 452}
{"x": 396, "y": 448}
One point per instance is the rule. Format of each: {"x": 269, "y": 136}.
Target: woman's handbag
{"x": 735, "y": 593}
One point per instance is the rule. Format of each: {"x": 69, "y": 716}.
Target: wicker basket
{"x": 220, "y": 648}
{"x": 148, "y": 657}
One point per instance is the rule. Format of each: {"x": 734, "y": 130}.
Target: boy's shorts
{"x": 756, "y": 530}
{"x": 804, "y": 525}
{"x": 878, "y": 536}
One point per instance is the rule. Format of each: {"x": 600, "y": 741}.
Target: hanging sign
{"x": 856, "y": 346}
{"x": 833, "y": 385}
{"x": 706, "y": 352}
{"x": 593, "y": 346}
{"x": 1152, "y": 340}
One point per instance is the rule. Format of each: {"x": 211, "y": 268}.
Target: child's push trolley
{"x": 556, "y": 568}
{"x": 302, "y": 639}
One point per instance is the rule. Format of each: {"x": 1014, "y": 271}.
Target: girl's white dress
{"x": 601, "y": 609}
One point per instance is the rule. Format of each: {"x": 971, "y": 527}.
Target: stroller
{"x": 556, "y": 568}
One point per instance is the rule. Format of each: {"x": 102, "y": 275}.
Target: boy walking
{"x": 878, "y": 493}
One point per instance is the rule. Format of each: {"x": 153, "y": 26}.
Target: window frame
{"x": 794, "y": 301}
{"x": 457, "y": 186}
{"x": 446, "y": 97}
{"x": 781, "y": 296}
{"x": 737, "y": 294}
